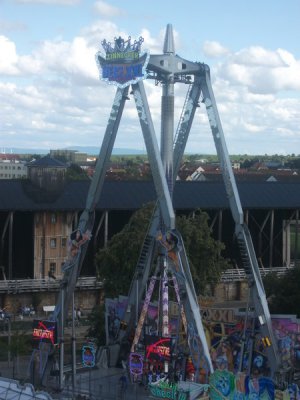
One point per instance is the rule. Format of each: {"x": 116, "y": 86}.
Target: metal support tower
{"x": 168, "y": 69}
{"x": 73, "y": 266}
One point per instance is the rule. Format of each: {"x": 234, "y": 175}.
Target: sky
{"x": 52, "y": 97}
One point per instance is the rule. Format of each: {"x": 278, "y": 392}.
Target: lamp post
{"x": 73, "y": 347}
{"x": 61, "y": 353}
{"x": 9, "y": 341}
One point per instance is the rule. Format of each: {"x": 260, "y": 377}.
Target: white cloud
{"x": 100, "y": 30}
{"x": 214, "y": 49}
{"x": 106, "y": 10}
{"x": 258, "y": 56}
{"x": 262, "y": 71}
{"x": 70, "y": 60}
{"x": 54, "y": 92}
{"x": 8, "y": 57}
{"x": 251, "y": 128}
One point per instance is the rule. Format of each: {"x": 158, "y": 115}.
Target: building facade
{"x": 13, "y": 169}
{"x": 38, "y": 214}
{"x": 51, "y": 242}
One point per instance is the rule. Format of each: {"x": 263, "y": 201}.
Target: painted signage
{"x": 44, "y": 331}
{"x": 136, "y": 364}
{"x": 164, "y": 390}
{"x": 158, "y": 348}
{"x": 123, "y": 63}
{"x": 88, "y": 355}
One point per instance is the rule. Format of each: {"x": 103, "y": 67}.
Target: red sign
{"x": 158, "y": 348}
{"x": 44, "y": 331}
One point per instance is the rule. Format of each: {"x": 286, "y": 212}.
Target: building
{"x": 38, "y": 215}
{"x": 71, "y": 156}
{"x": 12, "y": 169}
{"x": 35, "y": 222}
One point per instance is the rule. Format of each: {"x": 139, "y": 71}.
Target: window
{"x": 53, "y": 243}
{"x": 53, "y": 218}
{"x": 42, "y": 242}
{"x": 52, "y": 268}
{"x": 291, "y": 242}
{"x": 63, "y": 242}
{"x": 295, "y": 242}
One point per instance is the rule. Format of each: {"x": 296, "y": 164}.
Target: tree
{"x": 116, "y": 263}
{"x": 203, "y": 251}
{"x": 96, "y": 321}
{"x": 75, "y": 172}
{"x": 18, "y": 344}
{"x": 283, "y": 292}
{"x": 295, "y": 163}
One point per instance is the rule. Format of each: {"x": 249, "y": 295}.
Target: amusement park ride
{"x": 163, "y": 257}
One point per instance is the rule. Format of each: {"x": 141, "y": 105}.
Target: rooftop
{"x": 132, "y": 195}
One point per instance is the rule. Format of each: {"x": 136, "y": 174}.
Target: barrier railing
{"x": 238, "y": 274}
{"x": 37, "y": 285}
{"x": 90, "y": 282}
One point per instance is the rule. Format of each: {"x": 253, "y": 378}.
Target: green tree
{"x": 75, "y": 172}
{"x": 96, "y": 320}
{"x": 18, "y": 344}
{"x": 295, "y": 163}
{"x": 203, "y": 251}
{"x": 116, "y": 263}
{"x": 283, "y": 292}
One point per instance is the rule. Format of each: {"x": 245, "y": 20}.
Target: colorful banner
{"x": 88, "y": 355}
{"x": 123, "y": 62}
{"x": 114, "y": 313}
{"x": 226, "y": 385}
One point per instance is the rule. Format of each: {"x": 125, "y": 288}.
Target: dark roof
{"x": 46, "y": 162}
{"x": 249, "y": 176}
{"x": 131, "y": 195}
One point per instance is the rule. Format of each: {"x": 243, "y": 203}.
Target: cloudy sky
{"x": 51, "y": 96}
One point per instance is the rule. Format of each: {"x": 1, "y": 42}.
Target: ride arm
{"x": 189, "y": 300}
{"x": 185, "y": 124}
{"x": 72, "y": 267}
{"x": 241, "y": 230}
{"x": 160, "y": 182}
{"x": 143, "y": 266}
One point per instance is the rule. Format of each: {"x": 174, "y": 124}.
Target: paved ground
{"x": 103, "y": 384}
{"x": 99, "y": 383}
